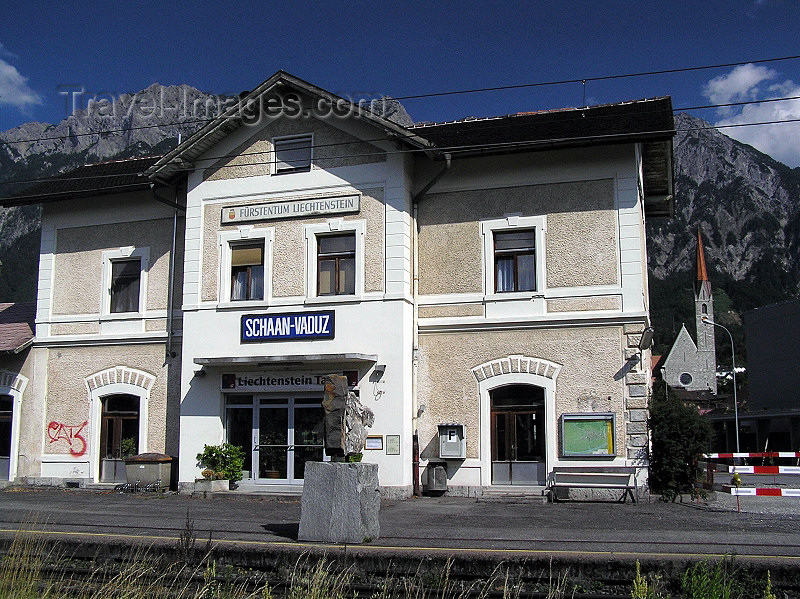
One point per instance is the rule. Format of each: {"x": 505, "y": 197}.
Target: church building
{"x": 691, "y": 366}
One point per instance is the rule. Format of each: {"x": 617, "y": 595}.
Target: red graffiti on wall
{"x": 58, "y": 431}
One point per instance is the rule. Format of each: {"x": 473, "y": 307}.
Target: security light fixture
{"x": 647, "y": 338}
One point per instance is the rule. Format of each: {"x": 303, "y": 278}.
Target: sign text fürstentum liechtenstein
{"x": 280, "y": 327}
{"x": 292, "y": 208}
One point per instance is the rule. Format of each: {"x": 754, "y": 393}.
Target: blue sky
{"x": 406, "y": 48}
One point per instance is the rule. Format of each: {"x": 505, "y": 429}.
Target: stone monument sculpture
{"x": 341, "y": 500}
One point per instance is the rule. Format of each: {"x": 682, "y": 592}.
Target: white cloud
{"x": 750, "y": 82}
{"x": 14, "y": 88}
{"x": 742, "y": 83}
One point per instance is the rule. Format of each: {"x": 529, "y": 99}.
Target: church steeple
{"x": 703, "y": 285}
{"x": 704, "y": 309}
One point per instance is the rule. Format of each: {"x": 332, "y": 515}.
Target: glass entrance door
{"x": 518, "y": 439}
{"x": 279, "y": 435}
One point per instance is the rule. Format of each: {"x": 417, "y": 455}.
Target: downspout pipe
{"x": 415, "y": 256}
{"x": 171, "y": 285}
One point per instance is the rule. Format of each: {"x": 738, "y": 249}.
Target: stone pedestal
{"x": 340, "y": 503}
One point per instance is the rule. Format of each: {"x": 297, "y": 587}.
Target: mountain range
{"x": 745, "y": 204}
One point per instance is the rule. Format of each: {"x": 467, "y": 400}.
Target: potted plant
{"x": 222, "y": 467}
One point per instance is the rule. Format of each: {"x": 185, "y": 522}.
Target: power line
{"x": 600, "y": 78}
{"x": 495, "y": 127}
{"x": 457, "y": 92}
{"x": 452, "y": 149}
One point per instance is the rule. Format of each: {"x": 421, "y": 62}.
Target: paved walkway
{"x": 423, "y": 525}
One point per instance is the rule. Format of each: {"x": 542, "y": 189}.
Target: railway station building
{"x": 482, "y": 283}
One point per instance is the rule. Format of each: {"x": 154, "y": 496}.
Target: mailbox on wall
{"x": 452, "y": 442}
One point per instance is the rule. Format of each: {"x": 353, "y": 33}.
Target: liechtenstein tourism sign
{"x": 284, "y": 327}
{"x": 292, "y": 208}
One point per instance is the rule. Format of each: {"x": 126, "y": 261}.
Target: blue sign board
{"x": 281, "y": 327}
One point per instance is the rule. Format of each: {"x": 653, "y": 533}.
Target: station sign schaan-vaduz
{"x": 292, "y": 208}
{"x": 284, "y": 327}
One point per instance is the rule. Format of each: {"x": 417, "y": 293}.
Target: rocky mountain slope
{"x": 747, "y": 207}
{"x": 746, "y": 204}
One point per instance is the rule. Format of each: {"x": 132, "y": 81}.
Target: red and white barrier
{"x": 763, "y": 454}
{"x": 711, "y": 468}
{"x": 752, "y": 469}
{"x": 761, "y": 491}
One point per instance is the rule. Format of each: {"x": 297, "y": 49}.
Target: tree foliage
{"x": 679, "y": 436}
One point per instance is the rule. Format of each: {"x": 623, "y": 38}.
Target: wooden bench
{"x": 622, "y": 478}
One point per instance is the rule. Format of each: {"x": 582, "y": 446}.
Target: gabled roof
{"x": 103, "y": 178}
{"x": 648, "y": 123}
{"x": 176, "y": 161}
{"x": 16, "y": 326}
{"x": 682, "y": 342}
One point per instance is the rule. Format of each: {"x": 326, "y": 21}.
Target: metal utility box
{"x": 437, "y": 479}
{"x": 452, "y": 442}
{"x": 147, "y": 468}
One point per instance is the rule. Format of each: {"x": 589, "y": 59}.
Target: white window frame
{"x": 509, "y": 222}
{"x": 278, "y": 140}
{"x": 244, "y": 234}
{"x": 332, "y": 227}
{"x": 124, "y": 253}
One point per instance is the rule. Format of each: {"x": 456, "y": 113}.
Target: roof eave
{"x": 565, "y": 143}
{"x": 72, "y": 195}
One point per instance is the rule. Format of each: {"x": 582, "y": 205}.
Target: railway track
{"x": 557, "y": 546}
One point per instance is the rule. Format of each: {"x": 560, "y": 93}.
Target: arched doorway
{"x": 518, "y": 423}
{"x": 118, "y": 424}
{"x": 519, "y": 454}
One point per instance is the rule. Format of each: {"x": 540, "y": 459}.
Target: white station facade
{"x": 481, "y": 283}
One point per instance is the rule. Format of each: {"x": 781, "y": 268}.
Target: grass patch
{"x": 31, "y": 569}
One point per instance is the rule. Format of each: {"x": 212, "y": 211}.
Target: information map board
{"x": 587, "y": 435}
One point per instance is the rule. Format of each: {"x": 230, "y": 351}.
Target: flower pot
{"x": 211, "y": 486}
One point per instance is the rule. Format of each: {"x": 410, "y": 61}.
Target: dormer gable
{"x": 281, "y": 104}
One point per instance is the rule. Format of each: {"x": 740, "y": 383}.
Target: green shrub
{"x": 679, "y": 436}
{"x": 226, "y": 460}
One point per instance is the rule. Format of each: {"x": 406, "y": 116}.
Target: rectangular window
{"x": 292, "y": 155}
{"x": 336, "y": 264}
{"x": 125, "y": 285}
{"x": 515, "y": 260}
{"x": 247, "y": 272}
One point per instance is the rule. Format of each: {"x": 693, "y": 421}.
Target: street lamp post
{"x": 708, "y": 321}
